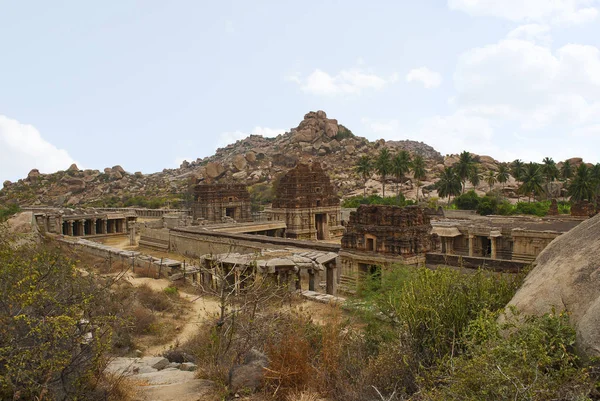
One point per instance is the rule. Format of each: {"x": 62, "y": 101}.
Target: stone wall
{"x": 472, "y": 262}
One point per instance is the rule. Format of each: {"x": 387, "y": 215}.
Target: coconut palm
{"x": 449, "y": 184}
{"x": 491, "y": 178}
{"x": 550, "y": 172}
{"x": 364, "y": 168}
{"x": 383, "y": 166}
{"x": 566, "y": 171}
{"x": 518, "y": 169}
{"x": 464, "y": 167}
{"x": 533, "y": 180}
{"x": 475, "y": 176}
{"x": 582, "y": 187}
{"x": 418, "y": 170}
{"x": 502, "y": 175}
{"x": 400, "y": 166}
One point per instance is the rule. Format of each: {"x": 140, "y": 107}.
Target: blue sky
{"x": 146, "y": 84}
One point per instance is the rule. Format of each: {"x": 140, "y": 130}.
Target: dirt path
{"x": 202, "y": 308}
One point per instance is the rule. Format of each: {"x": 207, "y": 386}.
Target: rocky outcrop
{"x": 566, "y": 277}
{"x": 248, "y": 376}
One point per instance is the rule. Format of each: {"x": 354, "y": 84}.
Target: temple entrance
{"x": 370, "y": 244}
{"x": 230, "y": 212}
{"x": 320, "y": 221}
{"x": 486, "y": 247}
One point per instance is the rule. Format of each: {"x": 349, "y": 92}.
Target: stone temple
{"x": 217, "y": 203}
{"x": 306, "y": 201}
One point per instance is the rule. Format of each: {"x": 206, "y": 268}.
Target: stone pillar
{"x": 298, "y": 281}
{"x": 70, "y": 227}
{"x": 82, "y": 222}
{"x": 331, "y": 284}
{"x": 494, "y": 247}
{"x": 105, "y": 225}
{"x": 450, "y": 245}
{"x": 93, "y": 226}
{"x": 471, "y": 244}
{"x": 311, "y": 280}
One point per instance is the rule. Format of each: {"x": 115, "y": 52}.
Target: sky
{"x": 148, "y": 84}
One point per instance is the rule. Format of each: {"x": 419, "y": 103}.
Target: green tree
{"x": 533, "y": 180}
{"x": 566, "y": 171}
{"x": 383, "y": 166}
{"x": 364, "y": 168}
{"x": 503, "y": 174}
{"x": 401, "y": 164}
{"x": 550, "y": 172}
{"x": 418, "y": 170}
{"x": 449, "y": 184}
{"x": 582, "y": 187}
{"x": 491, "y": 178}
{"x": 475, "y": 176}
{"x": 517, "y": 169}
{"x": 54, "y": 328}
{"x": 464, "y": 167}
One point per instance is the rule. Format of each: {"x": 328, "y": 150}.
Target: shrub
{"x": 8, "y": 211}
{"x": 153, "y": 300}
{"x": 533, "y": 360}
{"x": 356, "y": 201}
{"x": 467, "y": 201}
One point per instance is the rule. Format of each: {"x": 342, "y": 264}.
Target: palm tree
{"x": 566, "y": 171}
{"x": 449, "y": 184}
{"x": 474, "y": 176}
{"x": 550, "y": 172}
{"x": 491, "y": 178}
{"x": 582, "y": 187}
{"x": 518, "y": 169}
{"x": 400, "y": 166}
{"x": 364, "y": 168}
{"x": 383, "y": 166}
{"x": 532, "y": 180}
{"x": 418, "y": 170}
{"x": 502, "y": 175}
{"x": 464, "y": 167}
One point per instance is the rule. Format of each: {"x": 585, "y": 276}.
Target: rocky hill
{"x": 255, "y": 160}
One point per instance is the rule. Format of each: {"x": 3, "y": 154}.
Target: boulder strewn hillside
{"x": 254, "y": 160}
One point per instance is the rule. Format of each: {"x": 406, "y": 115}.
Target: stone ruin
{"x": 583, "y": 209}
{"x": 217, "y": 203}
{"x": 306, "y": 200}
{"x": 393, "y": 230}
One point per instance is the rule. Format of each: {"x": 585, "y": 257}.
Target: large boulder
{"x": 214, "y": 170}
{"x": 239, "y": 162}
{"x": 566, "y": 276}
{"x": 248, "y": 376}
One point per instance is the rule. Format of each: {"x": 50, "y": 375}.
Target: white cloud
{"x": 22, "y": 149}
{"x": 538, "y": 33}
{"x": 429, "y": 79}
{"x": 381, "y": 128}
{"x": 347, "y": 82}
{"x": 227, "y": 138}
{"x": 550, "y": 11}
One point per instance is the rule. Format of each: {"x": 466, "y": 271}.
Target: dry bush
{"x": 143, "y": 320}
{"x": 154, "y": 300}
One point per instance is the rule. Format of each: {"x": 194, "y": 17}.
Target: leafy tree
{"x": 566, "y": 171}
{"x": 533, "y": 179}
{"x": 582, "y": 187}
{"x": 467, "y": 201}
{"x": 364, "y": 168}
{"x": 54, "y": 328}
{"x": 383, "y": 166}
{"x": 464, "y": 167}
{"x": 449, "y": 184}
{"x": 418, "y": 170}
{"x": 491, "y": 178}
{"x": 503, "y": 174}
{"x": 401, "y": 164}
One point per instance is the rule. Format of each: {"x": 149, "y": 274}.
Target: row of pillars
{"x": 83, "y": 227}
{"x": 449, "y": 246}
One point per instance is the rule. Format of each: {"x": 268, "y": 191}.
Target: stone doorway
{"x": 230, "y": 212}
{"x": 486, "y": 247}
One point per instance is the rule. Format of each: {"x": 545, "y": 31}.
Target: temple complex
{"x": 216, "y": 203}
{"x": 381, "y": 235}
{"x": 306, "y": 201}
